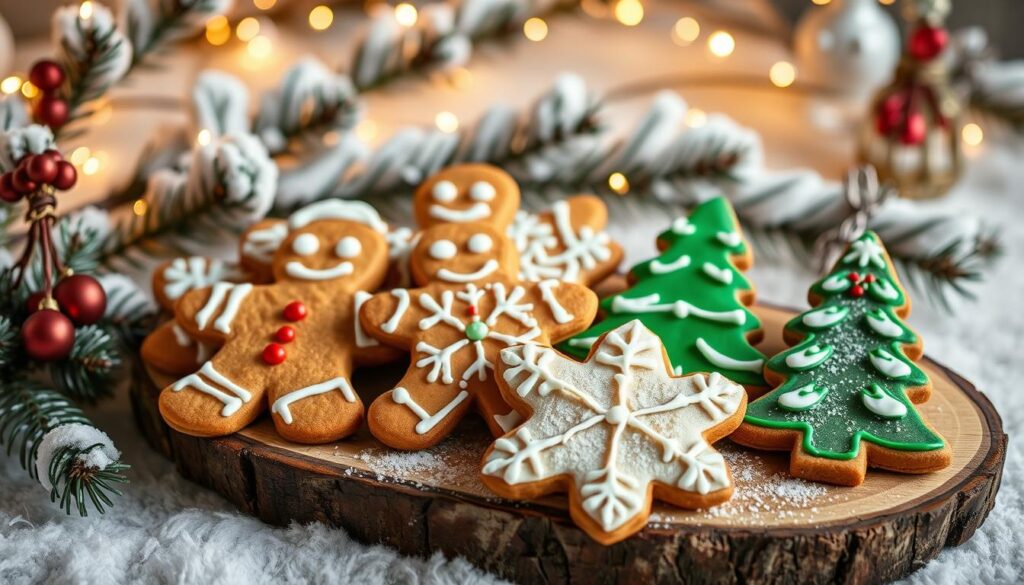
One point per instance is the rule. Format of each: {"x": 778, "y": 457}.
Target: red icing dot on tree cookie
{"x": 274, "y": 354}
{"x": 857, "y": 291}
{"x": 472, "y": 311}
{"x": 869, "y": 278}
{"x": 295, "y": 311}
{"x": 853, "y": 276}
{"x": 286, "y": 334}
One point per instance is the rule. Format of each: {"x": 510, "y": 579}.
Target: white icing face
{"x": 348, "y": 247}
{"x": 482, "y": 191}
{"x": 443, "y": 250}
{"x": 453, "y": 253}
{"x": 466, "y": 193}
{"x": 306, "y": 245}
{"x": 480, "y": 243}
{"x": 445, "y": 192}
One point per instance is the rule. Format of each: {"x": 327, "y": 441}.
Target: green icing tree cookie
{"x": 694, "y": 297}
{"x": 849, "y": 378}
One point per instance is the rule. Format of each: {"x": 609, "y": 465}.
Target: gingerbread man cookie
{"x": 612, "y": 431}
{"x": 290, "y": 345}
{"x": 467, "y": 193}
{"x": 469, "y": 307}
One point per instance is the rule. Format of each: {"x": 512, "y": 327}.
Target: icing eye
{"x": 480, "y": 243}
{"x": 348, "y": 247}
{"x": 482, "y": 191}
{"x": 306, "y": 245}
{"x": 443, "y": 250}
{"x": 445, "y": 191}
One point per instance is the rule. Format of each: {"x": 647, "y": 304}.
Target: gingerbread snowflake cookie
{"x": 289, "y": 346}
{"x": 470, "y": 306}
{"x": 612, "y": 431}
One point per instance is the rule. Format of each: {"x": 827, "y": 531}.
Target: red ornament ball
{"x": 286, "y": 334}
{"x": 22, "y": 182}
{"x": 47, "y": 75}
{"x": 82, "y": 298}
{"x": 51, "y": 111}
{"x": 274, "y": 354}
{"x": 67, "y": 176}
{"x": 48, "y": 335}
{"x": 857, "y": 291}
{"x": 914, "y": 131}
{"x": 927, "y": 42}
{"x": 33, "y": 300}
{"x": 889, "y": 113}
{"x": 41, "y": 168}
{"x": 7, "y": 190}
{"x": 295, "y": 311}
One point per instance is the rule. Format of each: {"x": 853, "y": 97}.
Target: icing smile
{"x": 451, "y": 276}
{"x": 475, "y": 213}
{"x": 298, "y": 270}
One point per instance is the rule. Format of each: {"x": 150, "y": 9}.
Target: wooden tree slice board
{"x": 775, "y": 529}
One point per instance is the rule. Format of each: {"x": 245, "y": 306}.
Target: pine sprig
{"x": 28, "y": 411}
{"x": 8, "y": 342}
{"x": 75, "y": 484}
{"x": 87, "y": 374}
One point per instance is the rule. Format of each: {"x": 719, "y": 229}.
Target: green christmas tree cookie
{"x": 694, "y": 297}
{"x": 846, "y": 388}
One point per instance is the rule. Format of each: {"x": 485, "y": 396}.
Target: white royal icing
{"x": 659, "y": 267}
{"x": 482, "y": 191}
{"x": 826, "y": 317}
{"x": 444, "y": 191}
{"x": 879, "y": 402}
{"x": 888, "y": 364}
{"x": 427, "y": 421}
{"x": 489, "y": 267}
{"x": 261, "y": 244}
{"x": 683, "y": 227}
{"x": 478, "y": 211}
{"x": 729, "y": 239}
{"x": 443, "y": 250}
{"x": 547, "y": 292}
{"x": 882, "y": 324}
{"x": 681, "y": 309}
{"x": 348, "y": 247}
{"x": 883, "y": 290}
{"x": 480, "y": 243}
{"x": 836, "y": 283}
{"x": 306, "y": 244}
{"x": 196, "y": 382}
{"x": 303, "y": 272}
{"x": 362, "y": 339}
{"x": 721, "y": 360}
{"x": 281, "y": 406}
{"x": 809, "y": 357}
{"x": 235, "y": 294}
{"x": 194, "y": 272}
{"x": 508, "y": 421}
{"x": 536, "y": 240}
{"x": 722, "y": 275}
{"x": 580, "y": 431}
{"x": 345, "y": 209}
{"x": 864, "y": 252}
{"x": 802, "y": 398}
{"x": 391, "y": 325}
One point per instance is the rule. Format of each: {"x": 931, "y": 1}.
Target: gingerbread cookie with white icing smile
{"x": 470, "y": 306}
{"x": 467, "y": 193}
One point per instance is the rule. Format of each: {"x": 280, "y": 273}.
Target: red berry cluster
{"x": 50, "y": 109}
{"x": 860, "y": 284}
{"x": 49, "y": 331}
{"x": 927, "y": 42}
{"x": 274, "y": 353}
{"x": 34, "y": 171}
{"x": 896, "y": 113}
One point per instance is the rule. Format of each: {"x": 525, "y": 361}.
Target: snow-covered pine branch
{"x": 151, "y": 24}
{"x": 992, "y": 88}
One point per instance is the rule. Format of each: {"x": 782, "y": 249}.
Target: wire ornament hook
{"x": 864, "y": 196}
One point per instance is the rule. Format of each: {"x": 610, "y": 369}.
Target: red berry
{"x": 274, "y": 354}
{"x": 7, "y": 191}
{"x": 915, "y": 129}
{"x": 286, "y": 334}
{"x": 927, "y": 42}
{"x": 22, "y": 182}
{"x": 46, "y": 75}
{"x": 52, "y": 111}
{"x": 42, "y": 168}
{"x": 66, "y": 177}
{"x": 853, "y": 276}
{"x": 47, "y": 335}
{"x": 869, "y": 278}
{"x": 295, "y": 311}
{"x": 857, "y": 290}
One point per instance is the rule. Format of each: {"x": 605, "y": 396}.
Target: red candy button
{"x": 286, "y": 334}
{"x": 869, "y": 278}
{"x": 295, "y": 311}
{"x": 857, "y": 290}
{"x": 274, "y": 354}
{"x": 853, "y": 276}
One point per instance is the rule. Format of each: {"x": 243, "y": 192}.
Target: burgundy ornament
{"x": 42, "y": 168}
{"x": 914, "y": 130}
{"x": 47, "y": 75}
{"x": 927, "y": 42}
{"x": 82, "y": 298}
{"x": 22, "y": 182}
{"x": 33, "y": 300}
{"x": 66, "y": 177}
{"x": 7, "y": 191}
{"x": 52, "y": 111}
{"x": 48, "y": 335}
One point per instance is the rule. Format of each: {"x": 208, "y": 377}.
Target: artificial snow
{"x": 78, "y": 436}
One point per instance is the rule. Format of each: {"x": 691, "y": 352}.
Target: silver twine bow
{"x": 864, "y": 197}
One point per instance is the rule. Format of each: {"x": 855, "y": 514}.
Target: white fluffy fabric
{"x": 166, "y": 529}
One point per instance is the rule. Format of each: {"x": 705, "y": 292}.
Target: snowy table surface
{"x": 166, "y": 529}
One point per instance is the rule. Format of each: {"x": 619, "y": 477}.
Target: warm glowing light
{"x": 218, "y": 31}
{"x": 264, "y": 4}
{"x": 91, "y": 166}
{"x": 629, "y": 12}
{"x": 140, "y": 207}
{"x": 405, "y": 14}
{"x": 618, "y": 183}
{"x": 28, "y": 90}
{"x": 782, "y": 74}
{"x": 321, "y": 17}
{"x": 972, "y": 134}
{"x": 820, "y": 2}
{"x": 259, "y": 47}
{"x": 695, "y": 118}
{"x": 85, "y": 10}
{"x": 247, "y": 28}
{"x": 80, "y": 155}
{"x": 366, "y": 130}
{"x": 721, "y": 44}
{"x": 535, "y": 29}
{"x": 446, "y": 122}
{"x": 104, "y": 111}
{"x": 10, "y": 84}
{"x": 203, "y": 138}
{"x": 685, "y": 31}
{"x": 887, "y": 2}
{"x": 461, "y": 78}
